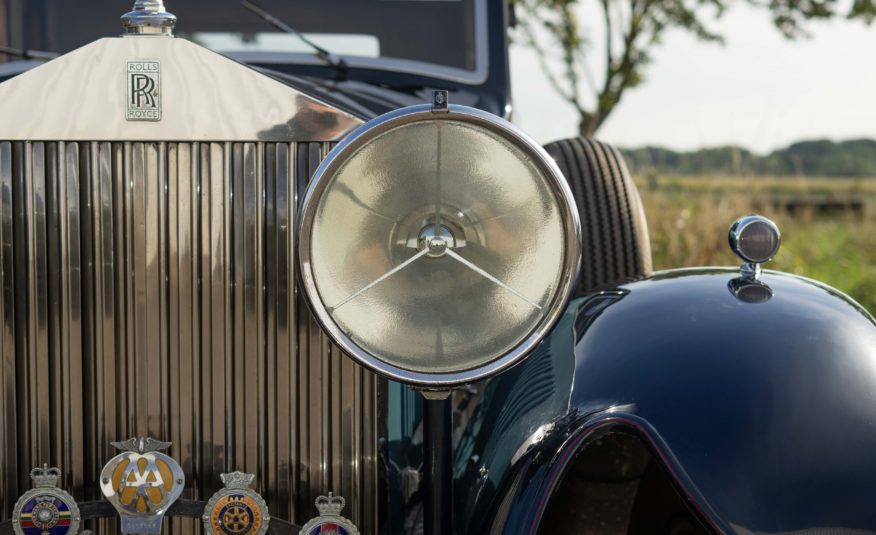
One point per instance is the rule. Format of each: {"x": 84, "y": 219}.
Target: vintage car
{"x": 237, "y": 286}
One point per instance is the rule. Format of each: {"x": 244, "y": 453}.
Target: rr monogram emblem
{"x": 144, "y": 90}
{"x": 141, "y": 91}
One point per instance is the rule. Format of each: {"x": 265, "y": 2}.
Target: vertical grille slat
{"x": 150, "y": 289}
{"x": 19, "y": 313}
{"x": 9, "y": 470}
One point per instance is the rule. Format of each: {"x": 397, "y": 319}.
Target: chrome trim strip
{"x": 147, "y": 289}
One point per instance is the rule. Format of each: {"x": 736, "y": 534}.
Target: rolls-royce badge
{"x": 143, "y": 79}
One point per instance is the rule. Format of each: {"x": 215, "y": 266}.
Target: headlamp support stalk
{"x": 437, "y": 457}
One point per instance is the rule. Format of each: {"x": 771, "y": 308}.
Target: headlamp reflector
{"x": 436, "y": 244}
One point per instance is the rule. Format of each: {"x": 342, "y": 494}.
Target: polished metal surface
{"x": 46, "y": 507}
{"x": 149, "y": 289}
{"x": 425, "y": 327}
{"x": 82, "y": 97}
{"x": 329, "y": 508}
{"x": 149, "y": 17}
{"x": 236, "y": 508}
{"x": 141, "y": 483}
{"x": 756, "y": 240}
{"x": 439, "y": 244}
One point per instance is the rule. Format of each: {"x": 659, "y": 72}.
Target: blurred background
{"x": 721, "y": 109}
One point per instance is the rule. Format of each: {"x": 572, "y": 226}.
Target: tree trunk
{"x": 587, "y": 126}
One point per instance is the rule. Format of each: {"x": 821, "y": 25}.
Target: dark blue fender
{"x": 759, "y": 401}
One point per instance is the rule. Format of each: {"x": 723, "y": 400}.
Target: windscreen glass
{"x": 440, "y": 32}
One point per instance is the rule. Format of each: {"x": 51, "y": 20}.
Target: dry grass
{"x": 828, "y": 225}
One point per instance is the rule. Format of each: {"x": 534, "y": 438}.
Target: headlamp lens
{"x": 438, "y": 245}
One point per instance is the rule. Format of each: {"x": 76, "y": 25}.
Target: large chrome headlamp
{"x": 438, "y": 248}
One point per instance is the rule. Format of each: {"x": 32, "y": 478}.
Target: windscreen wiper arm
{"x": 338, "y": 63}
{"x": 28, "y": 54}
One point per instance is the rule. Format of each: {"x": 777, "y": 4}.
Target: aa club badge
{"x": 142, "y": 483}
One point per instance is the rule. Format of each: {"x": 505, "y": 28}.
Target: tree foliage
{"x": 817, "y": 158}
{"x": 631, "y": 29}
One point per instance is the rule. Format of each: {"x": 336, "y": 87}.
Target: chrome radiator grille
{"x": 149, "y": 289}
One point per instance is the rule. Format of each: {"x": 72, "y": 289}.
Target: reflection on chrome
{"x": 750, "y": 290}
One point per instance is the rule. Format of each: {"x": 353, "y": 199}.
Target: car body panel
{"x": 763, "y": 412}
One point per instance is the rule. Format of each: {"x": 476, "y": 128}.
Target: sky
{"x": 758, "y": 90}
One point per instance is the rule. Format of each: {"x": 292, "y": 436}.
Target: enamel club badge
{"x": 329, "y": 521}
{"x": 45, "y": 509}
{"x": 236, "y": 509}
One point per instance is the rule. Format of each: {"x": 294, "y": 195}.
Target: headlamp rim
{"x": 348, "y": 147}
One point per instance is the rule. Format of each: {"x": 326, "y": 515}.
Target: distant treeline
{"x": 824, "y": 158}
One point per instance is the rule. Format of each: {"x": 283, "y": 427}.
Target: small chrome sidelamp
{"x": 149, "y": 18}
{"x": 756, "y": 240}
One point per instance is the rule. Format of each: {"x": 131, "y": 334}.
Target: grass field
{"x": 828, "y": 225}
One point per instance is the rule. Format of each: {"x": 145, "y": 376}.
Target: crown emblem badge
{"x": 236, "y": 509}
{"x": 142, "y": 483}
{"x": 329, "y": 521}
{"x": 45, "y": 509}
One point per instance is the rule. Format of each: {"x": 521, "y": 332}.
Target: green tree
{"x": 632, "y": 28}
